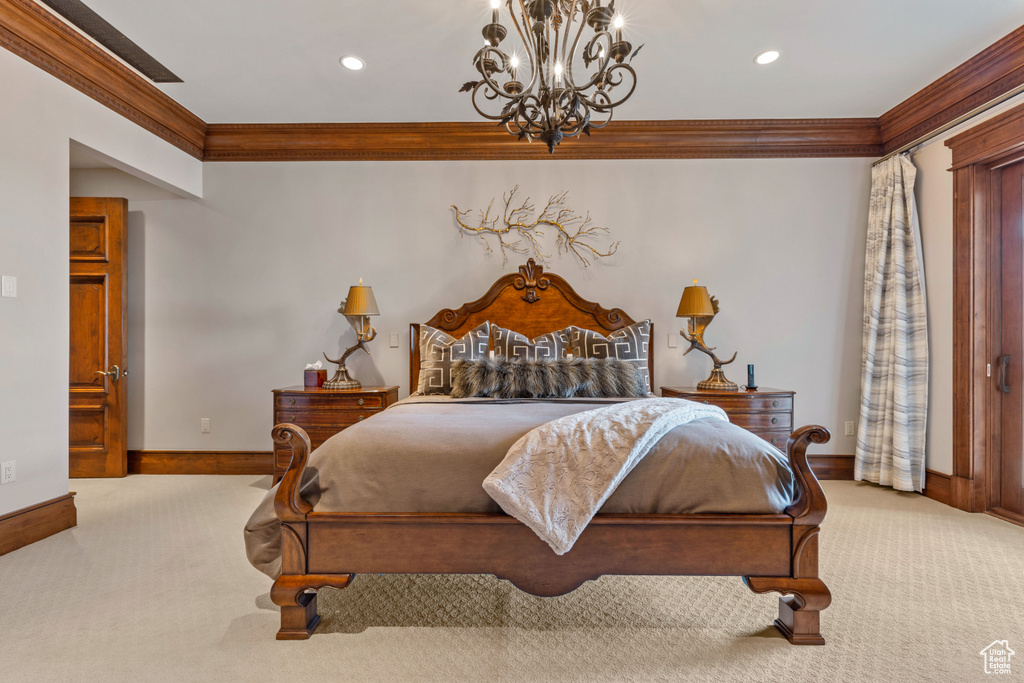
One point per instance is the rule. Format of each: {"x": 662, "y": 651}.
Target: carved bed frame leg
{"x": 299, "y": 617}
{"x": 799, "y": 615}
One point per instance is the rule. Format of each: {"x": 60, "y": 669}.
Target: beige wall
{"x": 39, "y": 116}
{"x": 232, "y": 295}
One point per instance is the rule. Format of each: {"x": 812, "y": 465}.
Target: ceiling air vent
{"x": 100, "y": 30}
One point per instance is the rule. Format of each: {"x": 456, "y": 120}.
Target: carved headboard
{"x": 531, "y": 302}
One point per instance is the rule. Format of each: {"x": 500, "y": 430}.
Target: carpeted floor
{"x": 153, "y": 585}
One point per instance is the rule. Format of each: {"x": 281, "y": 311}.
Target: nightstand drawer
{"x": 775, "y": 438}
{"x": 762, "y": 421}
{"x": 327, "y": 401}
{"x": 312, "y": 420}
{"x": 744, "y": 402}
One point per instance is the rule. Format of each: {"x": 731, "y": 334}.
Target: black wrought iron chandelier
{"x": 541, "y": 96}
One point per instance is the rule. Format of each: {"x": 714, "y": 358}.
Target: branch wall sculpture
{"x": 517, "y": 233}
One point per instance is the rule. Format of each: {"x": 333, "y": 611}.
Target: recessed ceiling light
{"x": 767, "y": 57}
{"x": 353, "y": 63}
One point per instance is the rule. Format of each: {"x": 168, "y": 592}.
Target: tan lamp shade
{"x": 695, "y": 301}
{"x": 360, "y": 301}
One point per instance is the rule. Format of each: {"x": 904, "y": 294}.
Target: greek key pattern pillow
{"x": 437, "y": 351}
{"x": 630, "y": 344}
{"x": 550, "y": 346}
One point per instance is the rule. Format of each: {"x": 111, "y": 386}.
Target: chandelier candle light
{"x": 360, "y": 304}
{"x": 553, "y": 80}
{"x": 701, "y": 309}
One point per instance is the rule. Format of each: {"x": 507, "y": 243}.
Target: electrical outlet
{"x": 9, "y": 286}
{"x": 850, "y": 431}
{"x": 673, "y": 340}
{"x": 393, "y": 338}
{"x": 204, "y": 425}
{"x": 7, "y": 472}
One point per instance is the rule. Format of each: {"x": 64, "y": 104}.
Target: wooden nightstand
{"x": 324, "y": 412}
{"x": 765, "y": 412}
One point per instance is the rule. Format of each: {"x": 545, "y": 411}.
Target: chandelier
{"x": 550, "y": 83}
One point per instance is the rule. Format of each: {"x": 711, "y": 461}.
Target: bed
{"x": 772, "y": 552}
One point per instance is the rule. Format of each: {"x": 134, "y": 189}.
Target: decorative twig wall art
{"x": 518, "y": 234}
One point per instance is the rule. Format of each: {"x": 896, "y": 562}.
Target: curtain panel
{"x": 894, "y": 369}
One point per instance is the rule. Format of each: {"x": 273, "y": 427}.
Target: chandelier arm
{"x": 610, "y": 104}
{"x": 494, "y": 86}
{"x": 605, "y": 56}
{"x": 527, "y": 38}
{"x": 572, "y": 54}
{"x": 492, "y": 117}
{"x": 568, "y": 29}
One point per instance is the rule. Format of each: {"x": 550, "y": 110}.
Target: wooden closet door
{"x": 1009, "y": 369}
{"x": 96, "y": 403}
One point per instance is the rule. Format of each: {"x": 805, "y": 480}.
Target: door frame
{"x": 979, "y": 154}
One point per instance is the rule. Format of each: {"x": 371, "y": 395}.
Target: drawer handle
{"x": 361, "y": 401}
{"x": 775, "y": 404}
{"x": 775, "y": 441}
{"x": 775, "y": 420}
{"x": 706, "y": 403}
{"x": 291, "y": 402}
{"x": 360, "y": 418}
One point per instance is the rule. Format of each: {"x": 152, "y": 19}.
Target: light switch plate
{"x": 393, "y": 338}
{"x": 849, "y": 429}
{"x": 673, "y": 340}
{"x": 9, "y": 286}
{"x": 204, "y": 425}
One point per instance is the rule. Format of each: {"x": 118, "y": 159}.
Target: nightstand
{"x": 323, "y": 413}
{"x": 765, "y": 412}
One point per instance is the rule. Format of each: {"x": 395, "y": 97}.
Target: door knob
{"x": 114, "y": 373}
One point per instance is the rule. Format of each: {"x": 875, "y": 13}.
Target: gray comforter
{"x": 429, "y": 454}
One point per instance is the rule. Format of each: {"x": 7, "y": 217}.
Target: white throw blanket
{"x": 556, "y": 478}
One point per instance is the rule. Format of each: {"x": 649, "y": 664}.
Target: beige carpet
{"x": 153, "y": 586}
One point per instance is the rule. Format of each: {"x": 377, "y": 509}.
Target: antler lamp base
{"x": 716, "y": 382}
{"x": 342, "y": 380}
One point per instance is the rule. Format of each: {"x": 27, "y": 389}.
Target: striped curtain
{"x": 894, "y": 371}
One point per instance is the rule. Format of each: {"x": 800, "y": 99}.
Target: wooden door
{"x": 96, "y": 404}
{"x": 1006, "y": 493}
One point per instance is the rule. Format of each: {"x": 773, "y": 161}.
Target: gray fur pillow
{"x": 504, "y": 377}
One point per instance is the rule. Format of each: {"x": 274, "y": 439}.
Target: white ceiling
{"x": 262, "y": 62}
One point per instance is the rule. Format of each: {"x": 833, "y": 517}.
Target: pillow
{"x": 504, "y": 377}
{"x": 630, "y": 344}
{"x": 514, "y": 345}
{"x": 437, "y": 351}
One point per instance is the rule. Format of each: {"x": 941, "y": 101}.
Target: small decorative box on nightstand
{"x": 324, "y": 412}
{"x": 765, "y": 412}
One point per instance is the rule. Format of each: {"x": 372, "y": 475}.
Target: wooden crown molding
{"x": 994, "y": 71}
{"x": 702, "y": 139}
{"x": 34, "y": 523}
{"x": 30, "y": 31}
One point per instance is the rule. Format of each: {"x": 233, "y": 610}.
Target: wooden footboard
{"x": 772, "y": 552}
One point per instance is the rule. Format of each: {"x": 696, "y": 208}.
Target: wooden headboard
{"x": 530, "y": 302}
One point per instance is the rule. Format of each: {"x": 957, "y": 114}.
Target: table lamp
{"x": 701, "y": 309}
{"x": 359, "y": 304}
